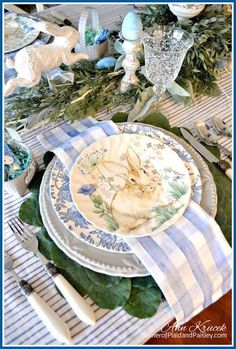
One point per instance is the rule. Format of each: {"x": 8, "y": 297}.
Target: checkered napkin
{"x": 190, "y": 261}
{"x": 68, "y": 141}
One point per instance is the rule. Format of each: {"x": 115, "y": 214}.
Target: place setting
{"x": 124, "y": 215}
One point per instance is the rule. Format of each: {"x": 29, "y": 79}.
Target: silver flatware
{"x": 30, "y": 243}
{"x": 209, "y": 137}
{"x": 51, "y": 320}
{"x": 222, "y": 164}
{"x": 221, "y": 127}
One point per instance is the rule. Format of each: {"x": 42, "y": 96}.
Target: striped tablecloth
{"x": 21, "y": 324}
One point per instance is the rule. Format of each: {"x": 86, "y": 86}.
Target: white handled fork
{"x": 51, "y": 320}
{"x": 30, "y": 243}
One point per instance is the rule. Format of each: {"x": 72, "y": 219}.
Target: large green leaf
{"x": 143, "y": 303}
{"x": 72, "y": 271}
{"x": 224, "y": 205}
{"x": 143, "y": 282}
{"x": 47, "y": 158}
{"x": 106, "y": 291}
{"x": 36, "y": 181}
{"x": 29, "y": 211}
{"x": 157, "y": 119}
{"x": 119, "y": 117}
{"x": 102, "y": 279}
{"x": 45, "y": 243}
{"x": 113, "y": 296}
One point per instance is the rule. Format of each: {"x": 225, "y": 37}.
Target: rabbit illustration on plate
{"x": 32, "y": 61}
{"x": 132, "y": 204}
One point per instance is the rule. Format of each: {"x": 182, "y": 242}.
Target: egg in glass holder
{"x": 164, "y": 52}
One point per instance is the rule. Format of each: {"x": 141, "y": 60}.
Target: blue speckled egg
{"x": 106, "y": 63}
{"x": 132, "y": 26}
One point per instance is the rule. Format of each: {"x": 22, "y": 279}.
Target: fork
{"x": 30, "y": 243}
{"x": 52, "y": 321}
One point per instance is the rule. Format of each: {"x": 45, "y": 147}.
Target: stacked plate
{"x": 133, "y": 184}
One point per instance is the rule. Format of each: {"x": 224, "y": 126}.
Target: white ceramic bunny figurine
{"x": 32, "y": 61}
{"x": 132, "y": 204}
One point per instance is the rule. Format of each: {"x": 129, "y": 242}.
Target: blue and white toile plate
{"x": 74, "y": 221}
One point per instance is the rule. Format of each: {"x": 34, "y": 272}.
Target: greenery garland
{"x": 93, "y": 89}
{"x": 212, "y": 33}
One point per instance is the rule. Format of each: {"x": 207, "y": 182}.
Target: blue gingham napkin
{"x": 68, "y": 141}
{"x": 190, "y": 261}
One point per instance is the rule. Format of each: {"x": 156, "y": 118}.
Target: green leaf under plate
{"x": 36, "y": 181}
{"x": 102, "y": 279}
{"x": 143, "y": 303}
{"x": 113, "y": 296}
{"x": 29, "y": 211}
{"x": 45, "y": 243}
{"x": 144, "y": 282}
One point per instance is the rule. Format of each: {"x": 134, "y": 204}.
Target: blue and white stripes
{"x": 68, "y": 141}
{"x": 190, "y": 261}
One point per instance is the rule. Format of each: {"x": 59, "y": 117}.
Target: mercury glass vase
{"x": 164, "y": 52}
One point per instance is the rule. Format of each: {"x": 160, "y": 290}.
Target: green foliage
{"x": 104, "y": 210}
{"x": 36, "y": 181}
{"x": 143, "y": 303}
{"x": 211, "y": 31}
{"x": 45, "y": 243}
{"x": 106, "y": 291}
{"x": 164, "y": 213}
{"x": 156, "y": 15}
{"x": 47, "y": 158}
{"x": 94, "y": 90}
{"x": 178, "y": 190}
{"x": 29, "y": 211}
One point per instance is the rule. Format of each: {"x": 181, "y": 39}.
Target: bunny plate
{"x": 130, "y": 185}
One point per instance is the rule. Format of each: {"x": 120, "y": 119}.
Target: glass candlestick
{"x": 164, "y": 52}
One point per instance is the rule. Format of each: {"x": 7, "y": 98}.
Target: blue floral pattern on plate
{"x": 78, "y": 225}
{"x": 73, "y": 220}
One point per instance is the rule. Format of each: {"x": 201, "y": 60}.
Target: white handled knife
{"x": 222, "y": 164}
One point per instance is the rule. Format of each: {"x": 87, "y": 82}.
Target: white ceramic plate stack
{"x": 93, "y": 246}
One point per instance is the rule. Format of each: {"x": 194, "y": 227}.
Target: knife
{"x": 222, "y": 164}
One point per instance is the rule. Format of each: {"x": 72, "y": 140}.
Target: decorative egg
{"x": 106, "y": 63}
{"x": 132, "y": 26}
